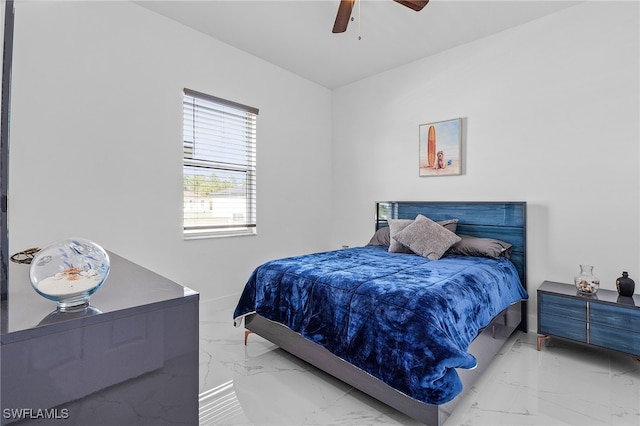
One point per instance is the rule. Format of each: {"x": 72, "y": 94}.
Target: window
{"x": 219, "y": 166}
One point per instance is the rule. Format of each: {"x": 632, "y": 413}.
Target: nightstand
{"x": 604, "y": 319}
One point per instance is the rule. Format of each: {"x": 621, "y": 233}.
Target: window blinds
{"x": 219, "y": 166}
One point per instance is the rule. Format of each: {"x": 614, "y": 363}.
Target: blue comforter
{"x": 400, "y": 317}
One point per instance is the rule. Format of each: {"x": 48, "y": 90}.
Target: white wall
{"x": 96, "y": 141}
{"x": 551, "y": 117}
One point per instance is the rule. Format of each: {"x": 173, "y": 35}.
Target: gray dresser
{"x": 130, "y": 358}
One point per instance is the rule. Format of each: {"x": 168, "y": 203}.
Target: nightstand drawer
{"x": 614, "y": 338}
{"x": 563, "y": 307}
{"x": 615, "y": 316}
{"x": 563, "y": 327}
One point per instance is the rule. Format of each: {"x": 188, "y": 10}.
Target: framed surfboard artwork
{"x": 441, "y": 148}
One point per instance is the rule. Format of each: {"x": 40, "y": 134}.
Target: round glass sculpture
{"x": 69, "y": 272}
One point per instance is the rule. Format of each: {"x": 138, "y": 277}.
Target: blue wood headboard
{"x": 506, "y": 221}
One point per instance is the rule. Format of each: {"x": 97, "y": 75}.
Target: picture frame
{"x": 440, "y": 148}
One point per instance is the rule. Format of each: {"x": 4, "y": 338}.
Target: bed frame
{"x": 501, "y": 220}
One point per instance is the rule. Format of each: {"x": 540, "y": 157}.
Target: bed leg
{"x": 493, "y": 327}
{"x": 246, "y": 336}
{"x": 540, "y": 339}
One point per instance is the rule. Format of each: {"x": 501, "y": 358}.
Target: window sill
{"x": 199, "y": 235}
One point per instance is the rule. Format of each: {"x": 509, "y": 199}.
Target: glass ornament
{"x": 69, "y": 272}
{"x": 585, "y": 281}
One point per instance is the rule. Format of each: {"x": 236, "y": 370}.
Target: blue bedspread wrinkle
{"x": 400, "y": 317}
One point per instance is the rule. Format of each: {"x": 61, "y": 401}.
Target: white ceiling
{"x": 296, "y": 35}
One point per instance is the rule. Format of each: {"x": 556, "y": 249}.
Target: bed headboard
{"x": 506, "y": 221}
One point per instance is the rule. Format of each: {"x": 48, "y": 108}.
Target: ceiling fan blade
{"x": 416, "y": 5}
{"x": 343, "y": 16}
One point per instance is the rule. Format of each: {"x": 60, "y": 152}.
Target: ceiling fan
{"x": 346, "y": 6}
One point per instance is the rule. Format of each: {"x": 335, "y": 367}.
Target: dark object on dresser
{"x": 625, "y": 285}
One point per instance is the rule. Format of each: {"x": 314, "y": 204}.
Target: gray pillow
{"x": 397, "y": 225}
{"x": 380, "y": 237}
{"x": 426, "y": 238}
{"x": 450, "y": 224}
{"x": 484, "y": 247}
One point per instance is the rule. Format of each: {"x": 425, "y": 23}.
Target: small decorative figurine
{"x": 625, "y": 285}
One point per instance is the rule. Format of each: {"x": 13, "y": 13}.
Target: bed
{"x": 411, "y": 318}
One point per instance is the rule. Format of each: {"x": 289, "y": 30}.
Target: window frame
{"x": 247, "y": 168}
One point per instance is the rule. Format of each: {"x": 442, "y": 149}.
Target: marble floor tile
{"x": 260, "y": 384}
